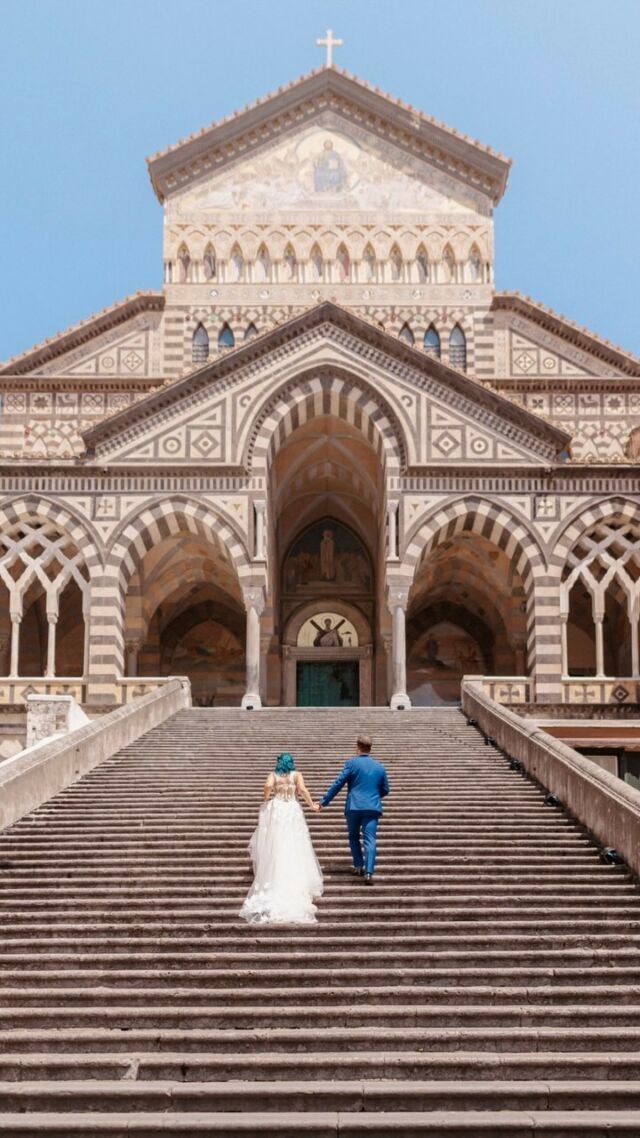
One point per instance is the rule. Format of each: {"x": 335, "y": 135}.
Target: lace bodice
{"x": 285, "y": 786}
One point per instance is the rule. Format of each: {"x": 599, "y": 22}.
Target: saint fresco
{"x": 327, "y": 555}
{"x": 438, "y": 661}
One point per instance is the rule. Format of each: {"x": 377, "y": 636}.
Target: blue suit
{"x": 367, "y": 784}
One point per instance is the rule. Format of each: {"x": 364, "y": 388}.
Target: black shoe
{"x": 357, "y": 871}
{"x": 368, "y": 879}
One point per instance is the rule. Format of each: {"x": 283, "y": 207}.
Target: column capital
{"x": 398, "y": 596}
{"x": 254, "y": 598}
{"x": 260, "y": 506}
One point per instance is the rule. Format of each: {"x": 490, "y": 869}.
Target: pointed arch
{"x": 200, "y": 345}
{"x": 209, "y": 263}
{"x": 290, "y": 263}
{"x": 406, "y": 334}
{"x": 263, "y": 264}
{"x": 184, "y": 263}
{"x": 475, "y": 272}
{"x": 431, "y": 342}
{"x": 250, "y": 332}
{"x": 316, "y": 261}
{"x": 343, "y": 262}
{"x": 396, "y": 263}
{"x": 313, "y": 394}
{"x": 458, "y": 348}
{"x": 226, "y": 338}
{"x": 422, "y": 265}
{"x": 448, "y": 265}
{"x": 369, "y": 262}
{"x": 237, "y": 263}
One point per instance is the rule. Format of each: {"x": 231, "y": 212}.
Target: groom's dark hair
{"x": 364, "y": 743}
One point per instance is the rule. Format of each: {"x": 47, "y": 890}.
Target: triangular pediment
{"x": 439, "y": 416}
{"x": 280, "y": 125}
{"x": 541, "y": 343}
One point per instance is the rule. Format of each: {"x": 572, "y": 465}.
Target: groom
{"x": 367, "y": 784}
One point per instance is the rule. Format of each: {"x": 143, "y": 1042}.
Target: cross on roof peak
{"x": 329, "y": 43}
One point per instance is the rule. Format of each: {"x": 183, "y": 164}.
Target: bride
{"x": 287, "y": 874}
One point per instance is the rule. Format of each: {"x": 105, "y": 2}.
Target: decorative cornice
{"x": 575, "y": 334}
{"x": 213, "y": 375}
{"x": 463, "y": 157}
{"x": 78, "y": 334}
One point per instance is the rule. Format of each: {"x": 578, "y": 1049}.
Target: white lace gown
{"x": 287, "y": 874}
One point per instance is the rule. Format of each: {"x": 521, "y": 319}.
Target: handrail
{"x": 606, "y": 805}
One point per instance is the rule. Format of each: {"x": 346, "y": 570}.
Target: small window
{"x": 458, "y": 349}
{"x": 209, "y": 263}
{"x": 432, "y": 342}
{"x": 407, "y": 335}
{"x": 226, "y": 338}
{"x": 200, "y": 345}
{"x": 250, "y": 332}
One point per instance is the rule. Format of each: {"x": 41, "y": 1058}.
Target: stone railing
{"x": 14, "y": 690}
{"x": 35, "y": 775}
{"x": 130, "y": 688}
{"x": 600, "y": 801}
{"x": 506, "y": 689}
{"x": 585, "y": 690}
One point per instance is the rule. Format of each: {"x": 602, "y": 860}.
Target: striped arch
{"x": 335, "y": 393}
{"x": 507, "y": 532}
{"x": 13, "y": 511}
{"x": 138, "y": 534}
{"x": 586, "y": 518}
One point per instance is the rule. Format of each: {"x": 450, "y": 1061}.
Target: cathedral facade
{"x": 327, "y": 463}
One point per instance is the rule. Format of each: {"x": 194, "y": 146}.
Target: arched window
{"x": 458, "y": 349}
{"x": 290, "y": 264}
{"x": 395, "y": 261}
{"x": 448, "y": 266}
{"x": 344, "y": 264}
{"x": 184, "y": 263}
{"x": 237, "y": 264}
{"x": 209, "y": 263}
{"x": 317, "y": 263}
{"x": 250, "y": 331}
{"x": 406, "y": 334}
{"x": 432, "y": 342}
{"x": 422, "y": 265}
{"x": 226, "y": 338}
{"x": 263, "y": 264}
{"x": 200, "y": 345}
{"x": 474, "y": 266}
{"x": 369, "y": 262}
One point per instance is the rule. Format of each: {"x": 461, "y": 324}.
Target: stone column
{"x": 398, "y": 599}
{"x": 260, "y": 509}
{"x": 16, "y": 619}
{"x": 254, "y": 604}
{"x": 392, "y": 523}
{"x": 634, "y": 646}
{"x": 132, "y": 648}
{"x": 52, "y": 620}
{"x": 599, "y": 619}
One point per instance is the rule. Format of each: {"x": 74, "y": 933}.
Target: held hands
{"x": 317, "y": 807}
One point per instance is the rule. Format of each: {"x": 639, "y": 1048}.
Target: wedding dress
{"x": 287, "y": 874}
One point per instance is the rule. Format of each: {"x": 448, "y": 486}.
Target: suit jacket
{"x": 367, "y": 784}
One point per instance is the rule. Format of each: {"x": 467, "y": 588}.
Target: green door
{"x": 327, "y": 684}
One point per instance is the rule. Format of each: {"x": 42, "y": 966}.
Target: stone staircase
{"x": 488, "y": 984}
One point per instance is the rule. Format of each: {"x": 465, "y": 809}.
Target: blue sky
{"x": 88, "y": 89}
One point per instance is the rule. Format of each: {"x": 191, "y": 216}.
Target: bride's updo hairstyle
{"x": 285, "y": 763}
